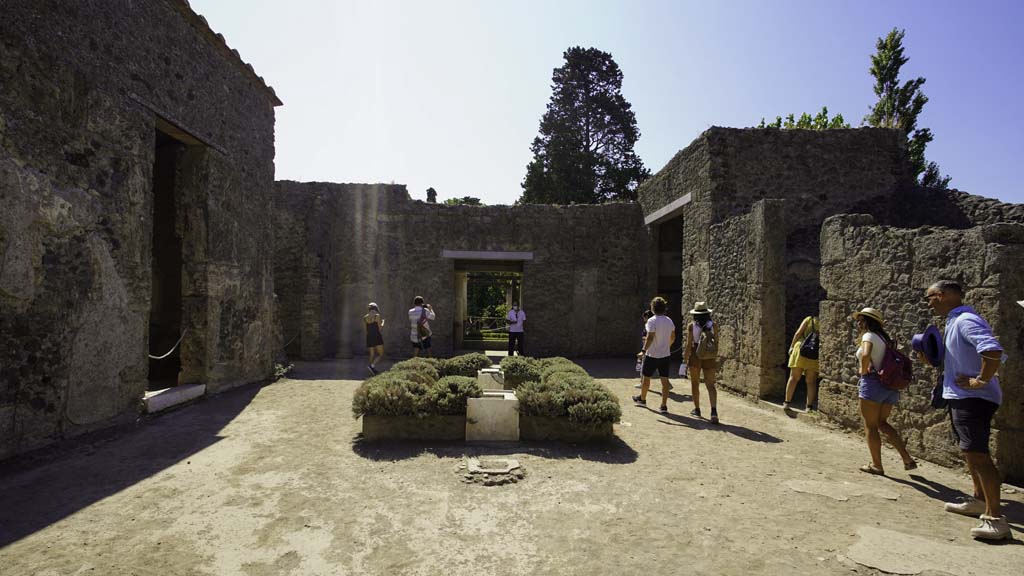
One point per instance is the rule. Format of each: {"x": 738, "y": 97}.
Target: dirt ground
{"x": 274, "y": 480}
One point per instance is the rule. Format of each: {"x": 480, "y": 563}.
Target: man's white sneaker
{"x": 991, "y": 528}
{"x": 967, "y": 507}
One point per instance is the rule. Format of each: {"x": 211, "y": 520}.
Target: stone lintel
{"x": 485, "y": 255}
{"x": 670, "y": 210}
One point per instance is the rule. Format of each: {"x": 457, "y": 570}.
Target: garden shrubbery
{"x": 565, "y": 390}
{"x": 419, "y": 387}
{"x": 466, "y": 365}
{"x": 519, "y": 369}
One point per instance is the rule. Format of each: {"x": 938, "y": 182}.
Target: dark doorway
{"x": 670, "y": 273}
{"x": 165, "y": 313}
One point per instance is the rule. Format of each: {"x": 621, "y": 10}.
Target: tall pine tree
{"x": 898, "y": 106}
{"x": 584, "y": 152}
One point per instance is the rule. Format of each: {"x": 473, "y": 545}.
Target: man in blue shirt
{"x": 970, "y": 385}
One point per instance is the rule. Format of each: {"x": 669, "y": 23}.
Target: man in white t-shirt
{"x": 516, "y": 318}
{"x": 420, "y": 316}
{"x": 656, "y": 355}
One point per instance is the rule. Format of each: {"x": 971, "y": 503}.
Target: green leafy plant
{"x": 519, "y": 369}
{"x": 450, "y": 394}
{"x": 566, "y": 391}
{"x": 466, "y": 365}
{"x": 418, "y": 366}
{"x": 389, "y": 394}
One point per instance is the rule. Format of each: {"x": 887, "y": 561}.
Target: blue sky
{"x": 449, "y": 94}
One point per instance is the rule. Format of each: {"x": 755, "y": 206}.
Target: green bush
{"x": 449, "y": 394}
{"x": 551, "y": 361}
{"x": 405, "y": 393}
{"x": 389, "y": 394}
{"x": 520, "y": 369}
{"x": 569, "y": 393}
{"x": 466, "y": 365}
{"x": 417, "y": 366}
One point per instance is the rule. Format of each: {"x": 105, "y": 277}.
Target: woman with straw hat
{"x": 374, "y": 323}
{"x": 876, "y": 401}
{"x": 701, "y": 349}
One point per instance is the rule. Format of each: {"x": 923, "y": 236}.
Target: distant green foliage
{"x": 464, "y": 201}
{"x": 819, "y": 121}
{"x": 466, "y": 365}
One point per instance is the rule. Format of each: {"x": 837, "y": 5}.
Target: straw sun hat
{"x": 870, "y": 313}
{"x": 701, "y": 308}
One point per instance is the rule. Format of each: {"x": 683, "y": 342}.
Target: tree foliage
{"x": 584, "y": 152}
{"x": 899, "y": 105}
{"x": 819, "y": 121}
{"x": 464, "y": 201}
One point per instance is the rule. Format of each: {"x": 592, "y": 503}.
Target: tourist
{"x": 701, "y": 357}
{"x": 643, "y": 338}
{"x": 656, "y": 353}
{"x": 876, "y": 401}
{"x": 374, "y": 322}
{"x": 420, "y": 316}
{"x": 971, "y": 388}
{"x": 800, "y": 365}
{"x": 516, "y": 318}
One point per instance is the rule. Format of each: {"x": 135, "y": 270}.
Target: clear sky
{"x": 449, "y": 94}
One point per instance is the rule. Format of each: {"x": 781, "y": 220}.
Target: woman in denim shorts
{"x": 876, "y": 401}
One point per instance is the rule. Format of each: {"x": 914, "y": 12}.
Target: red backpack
{"x": 896, "y": 372}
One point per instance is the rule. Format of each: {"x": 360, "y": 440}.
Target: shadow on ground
{"x": 613, "y": 451}
{"x": 702, "y": 424}
{"x": 41, "y": 488}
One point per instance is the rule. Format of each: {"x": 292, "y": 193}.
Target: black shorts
{"x": 972, "y": 422}
{"x": 661, "y": 365}
{"x": 423, "y": 344}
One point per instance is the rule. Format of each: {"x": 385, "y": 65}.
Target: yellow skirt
{"x": 798, "y": 361}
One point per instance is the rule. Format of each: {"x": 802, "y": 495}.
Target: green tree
{"x": 584, "y": 152}
{"x": 464, "y": 201}
{"x": 819, "y": 121}
{"x": 899, "y": 105}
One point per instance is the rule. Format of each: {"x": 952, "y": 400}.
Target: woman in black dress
{"x": 374, "y": 339}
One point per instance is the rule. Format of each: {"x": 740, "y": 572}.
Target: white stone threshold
{"x": 159, "y": 400}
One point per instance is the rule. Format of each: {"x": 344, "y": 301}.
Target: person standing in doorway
{"x": 701, "y": 357}
{"x": 516, "y": 318}
{"x": 420, "y": 316}
{"x": 801, "y": 365}
{"x": 656, "y": 353}
{"x": 971, "y": 387}
{"x": 374, "y": 323}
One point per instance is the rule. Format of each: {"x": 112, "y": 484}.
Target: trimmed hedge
{"x": 466, "y": 365}
{"x": 420, "y": 387}
{"x": 565, "y": 390}
{"x": 519, "y": 369}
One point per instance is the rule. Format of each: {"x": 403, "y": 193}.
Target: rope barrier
{"x": 172, "y": 349}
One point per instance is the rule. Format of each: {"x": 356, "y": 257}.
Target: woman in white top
{"x": 701, "y": 325}
{"x": 876, "y": 401}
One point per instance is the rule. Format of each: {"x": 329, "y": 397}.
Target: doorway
{"x": 165, "y": 313}
{"x": 670, "y": 273}
{"x": 485, "y": 292}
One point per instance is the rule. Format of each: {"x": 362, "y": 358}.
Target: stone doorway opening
{"x": 486, "y": 285}
{"x": 165, "y": 313}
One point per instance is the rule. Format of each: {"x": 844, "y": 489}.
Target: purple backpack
{"x": 896, "y": 372}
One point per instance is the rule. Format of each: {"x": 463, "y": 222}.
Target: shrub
{"x": 568, "y": 391}
{"x": 417, "y": 366}
{"x": 449, "y": 394}
{"x": 389, "y": 394}
{"x": 519, "y": 369}
{"x": 466, "y": 365}
{"x": 548, "y": 362}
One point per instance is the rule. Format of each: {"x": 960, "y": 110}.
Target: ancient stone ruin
{"x": 140, "y": 207}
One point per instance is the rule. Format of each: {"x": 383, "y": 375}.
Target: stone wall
{"x": 84, "y": 88}
{"x": 864, "y": 264}
{"x": 344, "y": 245}
{"x": 747, "y": 287}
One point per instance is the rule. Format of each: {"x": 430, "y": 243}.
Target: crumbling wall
{"x": 84, "y": 86}
{"x": 746, "y": 286}
{"x": 864, "y": 264}
{"x": 583, "y": 291}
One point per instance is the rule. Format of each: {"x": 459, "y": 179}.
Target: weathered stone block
{"x": 542, "y": 428}
{"x": 414, "y": 427}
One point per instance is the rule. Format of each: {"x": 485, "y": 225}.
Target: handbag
{"x": 809, "y": 348}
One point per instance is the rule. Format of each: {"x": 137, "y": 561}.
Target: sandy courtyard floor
{"x": 273, "y": 480}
